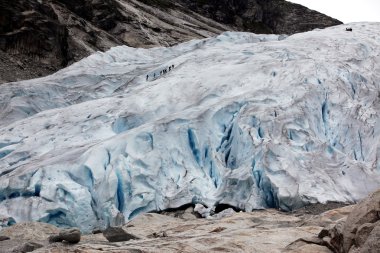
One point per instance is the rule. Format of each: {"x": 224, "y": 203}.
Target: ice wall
{"x": 252, "y": 121}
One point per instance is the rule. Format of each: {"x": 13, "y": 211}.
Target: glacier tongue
{"x": 252, "y": 121}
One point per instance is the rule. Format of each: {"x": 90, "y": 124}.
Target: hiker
{"x": 170, "y": 68}
{"x": 154, "y": 75}
{"x": 147, "y": 77}
{"x": 173, "y": 66}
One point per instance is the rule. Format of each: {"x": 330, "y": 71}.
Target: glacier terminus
{"x": 250, "y": 121}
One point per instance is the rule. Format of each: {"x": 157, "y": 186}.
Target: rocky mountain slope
{"x": 38, "y": 37}
{"x": 243, "y": 120}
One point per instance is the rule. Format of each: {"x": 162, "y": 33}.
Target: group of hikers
{"x": 162, "y": 72}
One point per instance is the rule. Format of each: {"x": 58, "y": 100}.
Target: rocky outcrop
{"x": 283, "y": 17}
{"x": 262, "y": 16}
{"x": 30, "y": 33}
{"x": 361, "y": 231}
{"x": 38, "y": 37}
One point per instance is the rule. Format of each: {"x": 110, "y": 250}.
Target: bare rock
{"x": 259, "y": 231}
{"x": 363, "y": 233}
{"x": 336, "y": 235}
{"x": 365, "y": 212}
{"x": 71, "y": 235}
{"x": 96, "y": 231}
{"x": 4, "y": 238}
{"x": 301, "y": 244}
{"x": 360, "y": 232}
{"x": 218, "y": 230}
{"x": 189, "y": 214}
{"x": 309, "y": 248}
{"x": 159, "y": 235}
{"x": 372, "y": 244}
{"x": 325, "y": 232}
{"x": 27, "y": 247}
{"x": 118, "y": 234}
{"x": 26, "y": 231}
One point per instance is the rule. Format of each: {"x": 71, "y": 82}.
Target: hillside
{"x": 39, "y": 37}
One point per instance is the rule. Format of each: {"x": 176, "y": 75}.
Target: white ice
{"x": 251, "y": 121}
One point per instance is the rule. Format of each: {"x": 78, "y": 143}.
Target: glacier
{"x": 251, "y": 121}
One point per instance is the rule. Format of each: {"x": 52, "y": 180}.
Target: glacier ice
{"x": 250, "y": 121}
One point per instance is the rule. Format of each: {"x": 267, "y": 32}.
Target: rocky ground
{"x": 351, "y": 229}
{"x": 38, "y": 37}
{"x": 260, "y": 231}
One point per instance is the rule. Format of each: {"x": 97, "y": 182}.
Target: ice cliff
{"x": 252, "y": 121}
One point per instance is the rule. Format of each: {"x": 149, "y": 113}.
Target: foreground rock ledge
{"x": 260, "y": 231}
{"x": 361, "y": 231}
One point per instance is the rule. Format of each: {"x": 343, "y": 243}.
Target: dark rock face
{"x": 118, "y": 234}
{"x": 38, "y": 37}
{"x": 31, "y": 31}
{"x": 285, "y": 17}
{"x": 262, "y": 16}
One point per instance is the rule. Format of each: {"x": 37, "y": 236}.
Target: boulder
{"x": 28, "y": 247}
{"x": 96, "y": 231}
{"x": 4, "y": 238}
{"x": 71, "y": 235}
{"x": 118, "y": 234}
